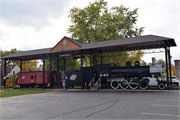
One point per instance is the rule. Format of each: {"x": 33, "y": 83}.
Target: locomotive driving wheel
{"x": 114, "y": 84}
{"x": 124, "y": 84}
{"x": 133, "y": 84}
{"x": 143, "y": 84}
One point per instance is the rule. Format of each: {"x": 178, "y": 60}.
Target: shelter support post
{"x": 90, "y": 64}
{"x": 82, "y": 82}
{"x": 4, "y": 73}
{"x": 169, "y": 64}
{"x": 57, "y": 64}
{"x": 43, "y": 71}
{"x": 101, "y": 59}
{"x": 167, "y": 77}
{"x": 50, "y": 59}
{"x": 93, "y": 60}
{"x": 20, "y": 65}
{"x": 64, "y": 63}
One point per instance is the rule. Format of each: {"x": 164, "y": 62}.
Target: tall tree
{"x": 5, "y": 53}
{"x": 29, "y": 66}
{"x": 97, "y": 22}
{"x": 70, "y": 64}
{"x": 161, "y": 62}
{"x": 26, "y": 65}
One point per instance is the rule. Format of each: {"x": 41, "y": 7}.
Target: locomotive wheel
{"x": 133, "y": 84}
{"x": 143, "y": 84}
{"x": 124, "y": 84}
{"x": 161, "y": 86}
{"x": 114, "y": 84}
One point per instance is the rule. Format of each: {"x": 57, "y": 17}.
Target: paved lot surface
{"x": 107, "y": 104}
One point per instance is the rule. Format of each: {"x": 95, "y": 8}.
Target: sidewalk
{"x": 112, "y": 90}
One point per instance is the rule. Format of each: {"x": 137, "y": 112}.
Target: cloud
{"x": 36, "y": 24}
{"x": 35, "y": 14}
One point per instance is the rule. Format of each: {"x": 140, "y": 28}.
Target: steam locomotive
{"x": 118, "y": 76}
{"x": 131, "y": 76}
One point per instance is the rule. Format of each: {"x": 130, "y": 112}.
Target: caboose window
{"x": 35, "y": 76}
{"x": 31, "y": 77}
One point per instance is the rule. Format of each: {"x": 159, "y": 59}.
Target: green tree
{"x": 5, "y": 53}
{"x": 135, "y": 56}
{"x": 161, "y": 62}
{"x": 14, "y": 79}
{"x": 70, "y": 64}
{"x": 97, "y": 22}
{"x": 29, "y": 65}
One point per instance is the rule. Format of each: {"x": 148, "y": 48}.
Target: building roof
{"x": 125, "y": 44}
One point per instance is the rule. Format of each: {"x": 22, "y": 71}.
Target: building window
{"x": 13, "y": 72}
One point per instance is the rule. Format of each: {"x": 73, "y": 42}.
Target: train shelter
{"x": 68, "y": 47}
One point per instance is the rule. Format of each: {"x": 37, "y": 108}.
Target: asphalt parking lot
{"x": 107, "y": 104}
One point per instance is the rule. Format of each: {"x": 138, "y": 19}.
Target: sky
{"x": 35, "y": 24}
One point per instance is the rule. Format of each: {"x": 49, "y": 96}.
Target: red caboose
{"x": 27, "y": 79}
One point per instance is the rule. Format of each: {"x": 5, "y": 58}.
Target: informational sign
{"x": 63, "y": 76}
{"x": 63, "y": 80}
{"x": 73, "y": 77}
{"x": 4, "y": 78}
{"x": 64, "y": 42}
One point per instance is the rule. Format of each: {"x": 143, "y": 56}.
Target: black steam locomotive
{"x": 118, "y": 76}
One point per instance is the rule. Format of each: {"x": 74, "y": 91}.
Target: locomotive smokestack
{"x": 153, "y": 61}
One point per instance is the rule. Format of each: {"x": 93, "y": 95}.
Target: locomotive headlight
{"x": 100, "y": 75}
{"x": 107, "y": 74}
{"x": 104, "y": 75}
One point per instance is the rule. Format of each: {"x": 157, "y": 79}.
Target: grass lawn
{"x": 154, "y": 87}
{"x": 18, "y": 92}
{"x": 77, "y": 86}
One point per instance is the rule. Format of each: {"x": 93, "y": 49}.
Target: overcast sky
{"x": 36, "y": 24}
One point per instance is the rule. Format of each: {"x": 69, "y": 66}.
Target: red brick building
{"x": 177, "y": 68}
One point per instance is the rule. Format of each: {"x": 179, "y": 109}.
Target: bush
{"x": 14, "y": 79}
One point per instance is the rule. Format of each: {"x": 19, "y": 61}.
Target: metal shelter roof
{"x": 118, "y": 45}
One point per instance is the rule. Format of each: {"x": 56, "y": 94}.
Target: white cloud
{"x": 36, "y": 24}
